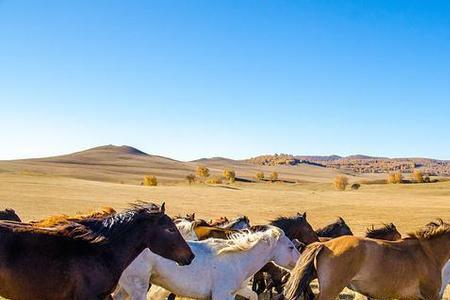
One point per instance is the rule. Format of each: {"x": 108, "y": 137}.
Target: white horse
{"x": 221, "y": 268}
{"x": 186, "y": 228}
{"x": 445, "y": 279}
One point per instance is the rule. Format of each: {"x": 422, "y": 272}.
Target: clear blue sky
{"x": 191, "y": 79}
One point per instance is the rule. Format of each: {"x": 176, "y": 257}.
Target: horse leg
{"x": 135, "y": 287}
{"x": 120, "y": 294}
{"x": 248, "y": 293}
{"x": 172, "y": 296}
{"x": 222, "y": 296}
{"x": 331, "y": 284}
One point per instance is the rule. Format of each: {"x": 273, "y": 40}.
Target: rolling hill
{"x": 125, "y": 164}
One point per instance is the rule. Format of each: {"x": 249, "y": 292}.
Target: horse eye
{"x": 291, "y": 247}
{"x": 171, "y": 230}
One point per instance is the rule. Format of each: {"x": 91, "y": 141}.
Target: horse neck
{"x": 252, "y": 260}
{"x": 124, "y": 250}
{"x": 439, "y": 248}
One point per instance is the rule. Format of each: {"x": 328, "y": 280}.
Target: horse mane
{"x": 329, "y": 228}
{"x": 111, "y": 223}
{"x": 431, "y": 230}
{"x": 382, "y": 231}
{"x": 247, "y": 239}
{"x": 91, "y": 230}
{"x": 9, "y": 214}
{"x": 285, "y": 222}
{"x": 70, "y": 231}
{"x": 55, "y": 220}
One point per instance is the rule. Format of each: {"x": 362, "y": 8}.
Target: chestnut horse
{"x": 410, "y": 268}
{"x": 56, "y": 220}
{"x": 73, "y": 262}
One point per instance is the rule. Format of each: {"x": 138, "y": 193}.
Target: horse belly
{"x": 197, "y": 288}
{"x": 385, "y": 288}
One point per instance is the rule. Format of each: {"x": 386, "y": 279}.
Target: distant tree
{"x": 260, "y": 176}
{"x": 229, "y": 175}
{"x": 341, "y": 182}
{"x": 395, "y": 178}
{"x": 202, "y": 171}
{"x": 190, "y": 178}
{"x": 355, "y": 186}
{"x": 150, "y": 181}
{"x": 274, "y": 176}
{"x": 418, "y": 176}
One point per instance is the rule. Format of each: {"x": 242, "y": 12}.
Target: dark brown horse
{"x": 74, "y": 262}
{"x": 334, "y": 230}
{"x": 295, "y": 228}
{"x": 10, "y": 215}
{"x": 388, "y": 232}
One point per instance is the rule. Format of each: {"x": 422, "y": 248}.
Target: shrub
{"x": 395, "y": 178}
{"x": 190, "y": 178}
{"x": 260, "y": 176}
{"x": 418, "y": 176}
{"x": 426, "y": 179}
{"x": 150, "y": 181}
{"x": 230, "y": 175}
{"x": 355, "y": 186}
{"x": 214, "y": 180}
{"x": 202, "y": 171}
{"x": 341, "y": 182}
{"x": 274, "y": 176}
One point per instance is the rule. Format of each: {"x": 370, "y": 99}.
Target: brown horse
{"x": 218, "y": 222}
{"x": 333, "y": 230}
{"x": 73, "y": 262}
{"x": 406, "y": 269}
{"x": 295, "y": 228}
{"x": 10, "y": 215}
{"x": 388, "y": 232}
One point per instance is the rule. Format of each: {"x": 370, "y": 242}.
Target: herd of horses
{"x": 143, "y": 253}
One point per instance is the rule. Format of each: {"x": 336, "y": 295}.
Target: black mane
{"x": 334, "y": 229}
{"x": 381, "y": 232}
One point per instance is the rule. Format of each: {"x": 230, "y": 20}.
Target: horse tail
{"x": 303, "y": 272}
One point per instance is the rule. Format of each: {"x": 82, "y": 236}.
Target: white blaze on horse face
{"x": 286, "y": 255}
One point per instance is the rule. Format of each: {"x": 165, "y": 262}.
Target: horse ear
{"x": 193, "y": 216}
{"x": 340, "y": 220}
{"x": 163, "y": 207}
{"x": 304, "y": 215}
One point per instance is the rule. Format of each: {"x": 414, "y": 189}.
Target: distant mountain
{"x": 358, "y": 163}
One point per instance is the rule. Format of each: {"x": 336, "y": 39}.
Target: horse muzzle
{"x": 186, "y": 260}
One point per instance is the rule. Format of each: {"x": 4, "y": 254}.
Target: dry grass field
{"x": 38, "y": 188}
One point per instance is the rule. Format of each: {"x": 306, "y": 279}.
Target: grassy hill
{"x": 125, "y": 164}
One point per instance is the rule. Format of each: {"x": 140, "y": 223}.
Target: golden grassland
{"x": 409, "y": 206}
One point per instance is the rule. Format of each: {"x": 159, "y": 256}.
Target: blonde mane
{"x": 63, "y": 219}
{"x": 431, "y": 231}
{"x": 246, "y": 240}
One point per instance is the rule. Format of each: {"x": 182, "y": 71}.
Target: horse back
{"x": 42, "y": 266}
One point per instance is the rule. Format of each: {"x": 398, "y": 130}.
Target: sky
{"x": 192, "y": 79}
